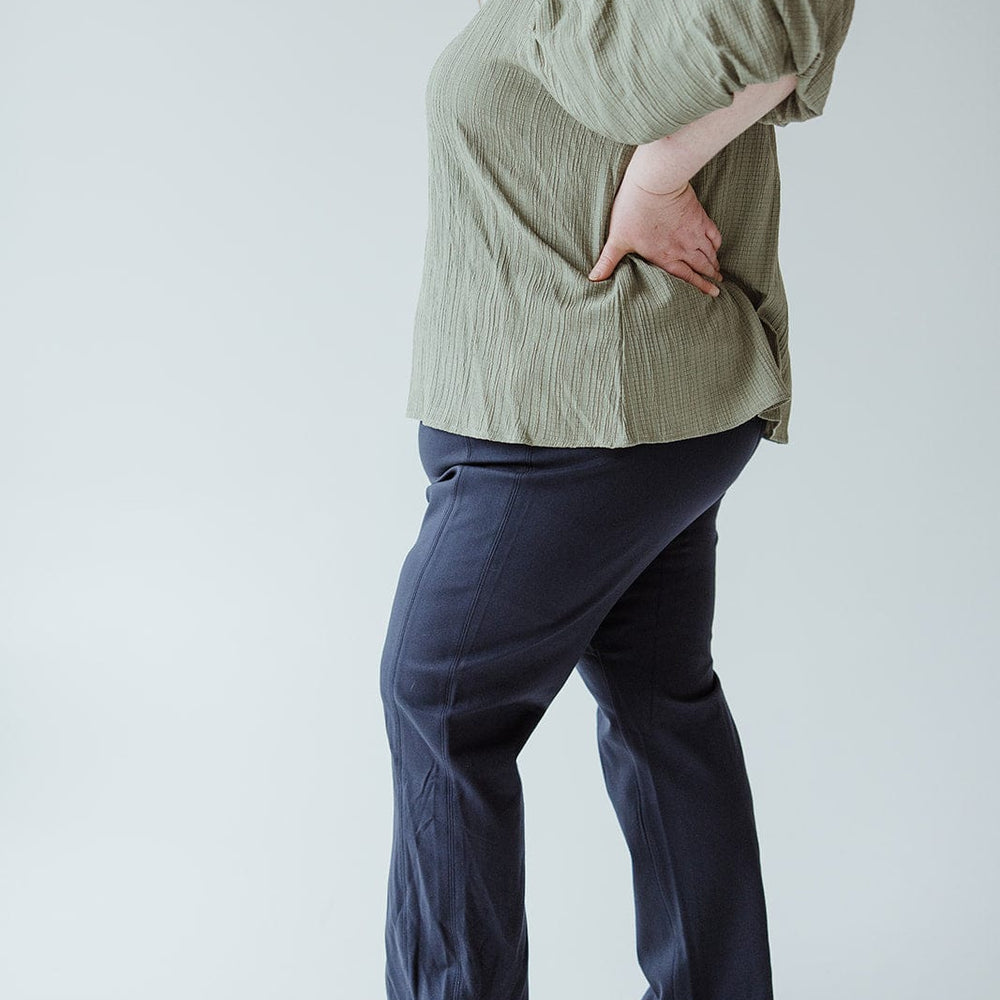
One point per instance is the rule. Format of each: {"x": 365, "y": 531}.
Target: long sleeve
{"x": 636, "y": 70}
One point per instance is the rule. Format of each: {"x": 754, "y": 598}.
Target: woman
{"x": 599, "y": 347}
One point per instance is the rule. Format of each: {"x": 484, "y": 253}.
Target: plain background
{"x": 211, "y": 231}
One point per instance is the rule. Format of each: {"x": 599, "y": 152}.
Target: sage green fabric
{"x": 533, "y": 111}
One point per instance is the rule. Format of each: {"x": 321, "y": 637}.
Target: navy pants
{"x": 532, "y": 561}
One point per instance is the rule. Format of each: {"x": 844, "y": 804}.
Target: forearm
{"x": 668, "y": 163}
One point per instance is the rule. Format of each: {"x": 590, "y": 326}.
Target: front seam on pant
{"x": 445, "y": 708}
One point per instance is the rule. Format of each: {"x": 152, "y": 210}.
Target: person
{"x": 599, "y": 347}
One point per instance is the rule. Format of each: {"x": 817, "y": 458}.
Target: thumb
{"x": 610, "y": 255}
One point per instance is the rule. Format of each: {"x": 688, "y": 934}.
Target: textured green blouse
{"x": 533, "y": 112}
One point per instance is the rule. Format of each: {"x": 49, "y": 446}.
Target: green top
{"x": 533, "y": 112}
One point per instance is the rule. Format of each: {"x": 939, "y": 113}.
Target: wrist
{"x": 659, "y": 192}
{"x": 657, "y": 168}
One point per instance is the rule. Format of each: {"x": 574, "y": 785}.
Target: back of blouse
{"x": 533, "y": 112}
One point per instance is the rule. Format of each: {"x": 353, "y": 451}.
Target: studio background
{"x": 207, "y": 488}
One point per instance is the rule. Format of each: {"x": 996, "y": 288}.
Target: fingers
{"x": 607, "y": 262}
{"x": 699, "y": 266}
{"x": 700, "y": 256}
{"x": 698, "y": 275}
{"x": 698, "y": 262}
{"x": 680, "y": 269}
{"x": 706, "y": 264}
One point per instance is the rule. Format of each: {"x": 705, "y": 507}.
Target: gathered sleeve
{"x": 636, "y": 70}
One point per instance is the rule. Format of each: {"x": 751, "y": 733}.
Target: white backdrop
{"x": 207, "y": 487}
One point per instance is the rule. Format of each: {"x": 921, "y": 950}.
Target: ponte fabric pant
{"x": 531, "y": 562}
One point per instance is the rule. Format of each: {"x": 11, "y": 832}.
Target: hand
{"x": 670, "y": 230}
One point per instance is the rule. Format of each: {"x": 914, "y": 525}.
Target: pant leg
{"x": 674, "y": 769}
{"x": 521, "y": 554}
